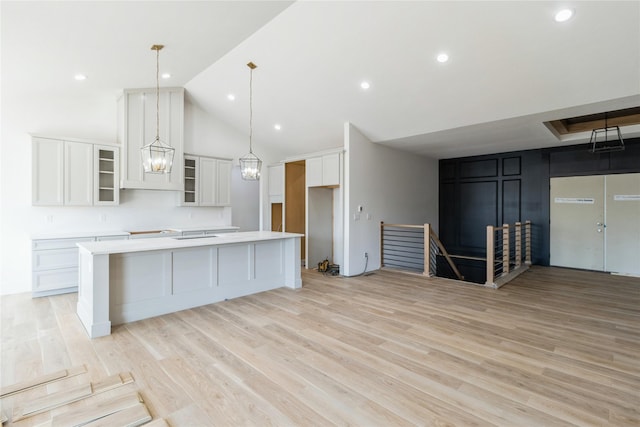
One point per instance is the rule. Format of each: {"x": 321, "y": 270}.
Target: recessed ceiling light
{"x": 442, "y": 57}
{"x": 166, "y": 75}
{"x": 564, "y": 15}
{"x": 80, "y": 77}
{"x": 365, "y": 85}
{"x": 231, "y": 97}
{"x": 277, "y": 126}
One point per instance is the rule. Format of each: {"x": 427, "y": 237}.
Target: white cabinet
{"x": 207, "y": 181}
{"x": 190, "y": 191}
{"x": 313, "y": 168}
{"x": 47, "y": 172}
{"x": 224, "y": 182}
{"x": 54, "y": 263}
{"x": 55, "y": 266}
{"x": 137, "y": 128}
{"x": 73, "y": 173}
{"x": 331, "y": 169}
{"x": 323, "y": 171}
{"x": 106, "y": 166}
{"x": 276, "y": 183}
{"x": 78, "y": 174}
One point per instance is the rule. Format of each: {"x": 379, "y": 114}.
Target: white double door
{"x": 595, "y": 223}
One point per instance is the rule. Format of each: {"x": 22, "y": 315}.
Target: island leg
{"x": 93, "y": 293}
{"x": 292, "y": 273}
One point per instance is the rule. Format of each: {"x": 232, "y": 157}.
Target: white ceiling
{"x": 512, "y": 66}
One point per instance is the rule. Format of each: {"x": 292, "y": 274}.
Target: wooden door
{"x": 294, "y": 201}
{"x": 276, "y": 217}
{"x": 577, "y": 222}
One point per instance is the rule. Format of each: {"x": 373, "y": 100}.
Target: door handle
{"x": 599, "y": 224}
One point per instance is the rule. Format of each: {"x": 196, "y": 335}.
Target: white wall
{"x": 246, "y": 200}
{"x": 94, "y": 117}
{"x": 391, "y": 186}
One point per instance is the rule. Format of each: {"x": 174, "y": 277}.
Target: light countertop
{"x": 77, "y": 234}
{"x": 83, "y": 234}
{"x": 164, "y": 243}
{"x": 201, "y": 228}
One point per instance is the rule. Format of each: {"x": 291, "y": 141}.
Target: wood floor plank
{"x": 160, "y": 422}
{"x": 70, "y": 395}
{"x": 42, "y": 380}
{"x": 233, "y": 358}
{"x": 553, "y": 347}
{"x": 130, "y": 417}
{"x": 100, "y": 409}
{"x": 292, "y": 375}
{"x": 234, "y": 401}
{"x": 51, "y": 401}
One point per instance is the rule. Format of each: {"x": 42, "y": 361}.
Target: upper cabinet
{"x": 276, "y": 183}
{"x": 73, "y": 173}
{"x": 78, "y": 174}
{"x": 224, "y": 182}
{"x": 137, "y": 127}
{"x": 47, "y": 169}
{"x": 106, "y": 166}
{"x": 207, "y": 181}
{"x": 323, "y": 171}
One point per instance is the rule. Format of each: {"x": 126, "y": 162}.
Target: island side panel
{"x": 292, "y": 269}
{"x": 93, "y": 293}
{"x": 249, "y": 268}
{"x": 140, "y": 285}
{"x": 194, "y": 270}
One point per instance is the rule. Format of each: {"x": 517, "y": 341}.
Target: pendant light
{"x": 250, "y": 164}
{"x": 600, "y": 141}
{"x": 157, "y": 157}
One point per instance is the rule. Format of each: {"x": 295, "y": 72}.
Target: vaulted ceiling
{"x": 511, "y": 66}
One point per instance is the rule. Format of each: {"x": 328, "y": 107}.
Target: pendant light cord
{"x": 157, "y": 94}
{"x": 250, "y": 110}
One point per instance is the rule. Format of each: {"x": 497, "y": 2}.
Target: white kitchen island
{"x": 128, "y": 280}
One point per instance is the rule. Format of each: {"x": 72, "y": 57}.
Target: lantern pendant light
{"x": 157, "y": 157}
{"x": 601, "y": 141}
{"x": 250, "y": 164}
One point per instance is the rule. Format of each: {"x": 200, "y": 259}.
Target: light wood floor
{"x": 554, "y": 347}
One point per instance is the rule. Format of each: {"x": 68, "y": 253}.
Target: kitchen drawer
{"x": 51, "y": 280}
{"x": 45, "y": 244}
{"x": 55, "y": 259}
